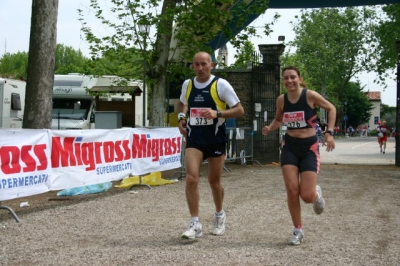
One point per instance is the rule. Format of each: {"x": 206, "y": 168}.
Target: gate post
{"x": 266, "y": 87}
{"x": 397, "y": 138}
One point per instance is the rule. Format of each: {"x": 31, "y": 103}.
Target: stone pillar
{"x": 271, "y": 53}
{"x": 266, "y": 80}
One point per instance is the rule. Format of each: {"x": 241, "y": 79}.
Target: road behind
{"x": 357, "y": 150}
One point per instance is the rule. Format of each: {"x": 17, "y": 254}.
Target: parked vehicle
{"x": 73, "y": 106}
{"x": 12, "y": 93}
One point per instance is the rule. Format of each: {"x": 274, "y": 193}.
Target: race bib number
{"x": 294, "y": 119}
{"x": 196, "y": 119}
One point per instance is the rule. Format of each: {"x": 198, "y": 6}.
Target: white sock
{"x": 298, "y": 230}
{"x": 319, "y": 196}
{"x": 195, "y": 219}
{"x": 219, "y": 214}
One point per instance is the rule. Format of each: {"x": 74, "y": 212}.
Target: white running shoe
{"x": 195, "y": 229}
{"x": 319, "y": 204}
{"x": 219, "y": 224}
{"x": 296, "y": 238}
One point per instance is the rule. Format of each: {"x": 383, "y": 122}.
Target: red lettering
{"x": 27, "y": 159}
{"x": 63, "y": 154}
{"x": 9, "y": 156}
{"x": 118, "y": 152}
{"x": 139, "y": 146}
{"x": 88, "y": 155}
{"x": 108, "y": 151}
{"x": 168, "y": 150}
{"x": 125, "y": 145}
{"x": 97, "y": 146}
{"x": 154, "y": 149}
{"x": 40, "y": 152}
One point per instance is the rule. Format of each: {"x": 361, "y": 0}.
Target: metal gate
{"x": 265, "y": 84}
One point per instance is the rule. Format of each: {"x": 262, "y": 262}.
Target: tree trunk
{"x": 41, "y": 63}
{"x": 159, "y": 62}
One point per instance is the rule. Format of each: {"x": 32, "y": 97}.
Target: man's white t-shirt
{"x": 225, "y": 90}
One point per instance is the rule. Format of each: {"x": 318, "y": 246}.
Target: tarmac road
{"x": 358, "y": 150}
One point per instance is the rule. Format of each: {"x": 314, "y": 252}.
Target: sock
{"x": 318, "y": 196}
{"x": 298, "y": 228}
{"x": 195, "y": 219}
{"x": 219, "y": 214}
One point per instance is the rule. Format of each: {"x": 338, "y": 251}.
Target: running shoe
{"x": 296, "y": 238}
{"x": 195, "y": 229}
{"x": 319, "y": 204}
{"x": 219, "y": 224}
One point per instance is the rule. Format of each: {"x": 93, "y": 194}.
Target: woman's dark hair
{"x": 302, "y": 84}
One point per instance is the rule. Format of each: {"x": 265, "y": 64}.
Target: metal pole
{"x": 144, "y": 98}
{"x": 345, "y": 118}
{"x": 397, "y": 152}
{"x": 144, "y": 30}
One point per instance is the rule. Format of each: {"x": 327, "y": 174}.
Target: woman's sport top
{"x": 299, "y": 115}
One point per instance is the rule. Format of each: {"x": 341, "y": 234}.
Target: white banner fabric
{"x": 155, "y": 149}
{"x": 86, "y": 157}
{"x": 37, "y": 161}
{"x": 25, "y": 169}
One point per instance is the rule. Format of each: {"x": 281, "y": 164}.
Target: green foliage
{"x": 331, "y": 46}
{"x": 358, "y": 108}
{"x": 388, "y": 113}
{"x": 387, "y": 32}
{"x": 126, "y": 64}
{"x": 14, "y": 65}
{"x": 387, "y": 110}
{"x": 245, "y": 55}
{"x": 191, "y": 24}
{"x": 69, "y": 60}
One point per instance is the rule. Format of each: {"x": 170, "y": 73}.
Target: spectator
{"x": 364, "y": 131}
{"x": 323, "y": 126}
{"x": 350, "y": 131}
{"x": 382, "y": 136}
{"x": 336, "y": 130}
{"x": 231, "y": 136}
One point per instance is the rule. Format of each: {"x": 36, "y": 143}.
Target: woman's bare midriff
{"x": 301, "y": 133}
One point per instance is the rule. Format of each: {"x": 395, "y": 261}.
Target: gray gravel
{"x": 360, "y": 225}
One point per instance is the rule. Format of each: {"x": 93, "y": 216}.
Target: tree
{"x": 331, "y": 44}
{"x": 245, "y": 55}
{"x": 178, "y": 36}
{"x": 358, "y": 106}
{"x": 388, "y": 113}
{"x": 14, "y": 65}
{"x": 69, "y": 60}
{"x": 387, "y": 33}
{"x": 41, "y": 63}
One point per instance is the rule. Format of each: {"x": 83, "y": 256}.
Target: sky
{"x": 15, "y": 18}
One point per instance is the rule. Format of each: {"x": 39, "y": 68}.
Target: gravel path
{"x": 143, "y": 226}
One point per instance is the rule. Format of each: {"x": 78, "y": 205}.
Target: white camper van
{"x": 73, "y": 106}
{"x": 12, "y": 95}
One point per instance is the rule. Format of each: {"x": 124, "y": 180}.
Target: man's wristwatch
{"x": 330, "y": 132}
{"x": 219, "y": 114}
{"x": 181, "y": 116}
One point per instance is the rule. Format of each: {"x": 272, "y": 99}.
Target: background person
{"x": 323, "y": 126}
{"x": 202, "y": 116}
{"x": 300, "y": 158}
{"x": 382, "y": 136}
